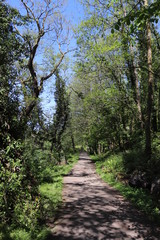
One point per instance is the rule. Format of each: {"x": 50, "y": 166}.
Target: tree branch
{"x": 52, "y": 72}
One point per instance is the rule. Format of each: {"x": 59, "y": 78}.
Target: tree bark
{"x": 73, "y": 143}
{"x": 148, "y": 147}
{"x": 133, "y": 74}
{"x": 137, "y": 91}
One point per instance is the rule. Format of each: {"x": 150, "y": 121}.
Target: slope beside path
{"x": 94, "y": 211}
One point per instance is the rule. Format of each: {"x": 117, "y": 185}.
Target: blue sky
{"x": 73, "y": 9}
{"x": 73, "y": 12}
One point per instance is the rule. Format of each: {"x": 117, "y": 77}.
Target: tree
{"x": 61, "y": 115}
{"x": 13, "y": 184}
{"x": 10, "y": 52}
{"x": 148, "y": 148}
{"x": 44, "y": 21}
{"x": 124, "y": 60}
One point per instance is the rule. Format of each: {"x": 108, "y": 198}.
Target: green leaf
{"x": 117, "y": 27}
{"x": 132, "y": 28}
{"x": 119, "y": 22}
{"x": 112, "y": 30}
{"x": 128, "y": 21}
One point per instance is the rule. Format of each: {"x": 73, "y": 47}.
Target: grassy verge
{"x": 51, "y": 189}
{"x": 50, "y": 199}
{"x": 109, "y": 168}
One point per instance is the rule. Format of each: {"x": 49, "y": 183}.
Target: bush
{"x": 134, "y": 160}
{"x": 23, "y": 209}
{"x": 11, "y": 175}
{"x": 26, "y": 213}
{"x": 20, "y": 234}
{"x": 47, "y": 176}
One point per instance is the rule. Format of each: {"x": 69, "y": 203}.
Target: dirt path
{"x": 94, "y": 210}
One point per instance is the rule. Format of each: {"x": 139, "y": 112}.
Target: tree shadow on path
{"x": 93, "y": 210}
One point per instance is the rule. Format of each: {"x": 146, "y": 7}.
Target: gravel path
{"x": 93, "y": 210}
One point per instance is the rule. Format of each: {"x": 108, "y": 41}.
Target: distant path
{"x": 94, "y": 210}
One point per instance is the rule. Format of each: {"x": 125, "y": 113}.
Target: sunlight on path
{"x": 94, "y": 210}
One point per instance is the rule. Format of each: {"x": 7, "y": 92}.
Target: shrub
{"x": 134, "y": 160}
{"x": 20, "y": 234}
{"x": 27, "y": 212}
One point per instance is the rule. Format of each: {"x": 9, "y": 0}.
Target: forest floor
{"x": 93, "y": 210}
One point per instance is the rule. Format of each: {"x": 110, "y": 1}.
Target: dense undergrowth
{"x": 115, "y": 170}
{"x": 46, "y": 203}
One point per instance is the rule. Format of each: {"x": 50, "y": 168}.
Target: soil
{"x": 93, "y": 210}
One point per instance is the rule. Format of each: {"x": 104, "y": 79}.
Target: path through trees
{"x": 94, "y": 210}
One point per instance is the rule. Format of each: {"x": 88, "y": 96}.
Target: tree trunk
{"x": 137, "y": 91}
{"x": 148, "y": 149}
{"x": 158, "y": 120}
{"x": 73, "y": 143}
{"x": 155, "y": 108}
{"x": 133, "y": 73}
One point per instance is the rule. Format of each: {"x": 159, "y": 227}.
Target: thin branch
{"x": 24, "y": 37}
{"x": 52, "y": 72}
{"x": 28, "y": 9}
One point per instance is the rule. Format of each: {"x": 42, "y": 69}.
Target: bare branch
{"x": 45, "y": 18}
{"x": 29, "y": 10}
{"x": 52, "y": 72}
{"x": 24, "y": 37}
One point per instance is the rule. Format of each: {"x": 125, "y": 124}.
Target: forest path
{"x": 94, "y": 210}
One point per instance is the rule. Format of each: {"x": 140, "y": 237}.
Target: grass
{"x": 51, "y": 193}
{"x": 109, "y": 168}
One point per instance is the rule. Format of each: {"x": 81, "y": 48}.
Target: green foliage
{"x": 134, "y": 160}
{"x": 43, "y": 234}
{"x": 109, "y": 89}
{"x": 99, "y": 111}
{"x": 24, "y": 151}
{"x": 60, "y": 117}
{"x": 19, "y": 199}
{"x": 138, "y": 18}
{"x": 35, "y": 158}
{"x": 10, "y": 52}
{"x": 9, "y": 233}
{"x": 11, "y": 177}
{"x": 25, "y": 165}
{"x": 112, "y": 164}
{"x": 47, "y": 175}
{"x": 20, "y": 234}
{"x": 51, "y": 197}
{"x": 27, "y": 212}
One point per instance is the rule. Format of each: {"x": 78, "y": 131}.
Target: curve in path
{"x": 95, "y": 211}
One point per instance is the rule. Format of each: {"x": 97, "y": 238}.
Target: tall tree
{"x": 61, "y": 115}
{"x": 45, "y": 21}
{"x": 148, "y": 148}
{"x": 116, "y": 62}
{"x": 11, "y": 48}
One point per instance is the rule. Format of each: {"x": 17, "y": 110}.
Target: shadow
{"x": 94, "y": 210}
{"x": 102, "y": 157}
{"x": 84, "y": 156}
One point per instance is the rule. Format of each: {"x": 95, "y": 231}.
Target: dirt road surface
{"x": 95, "y": 211}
